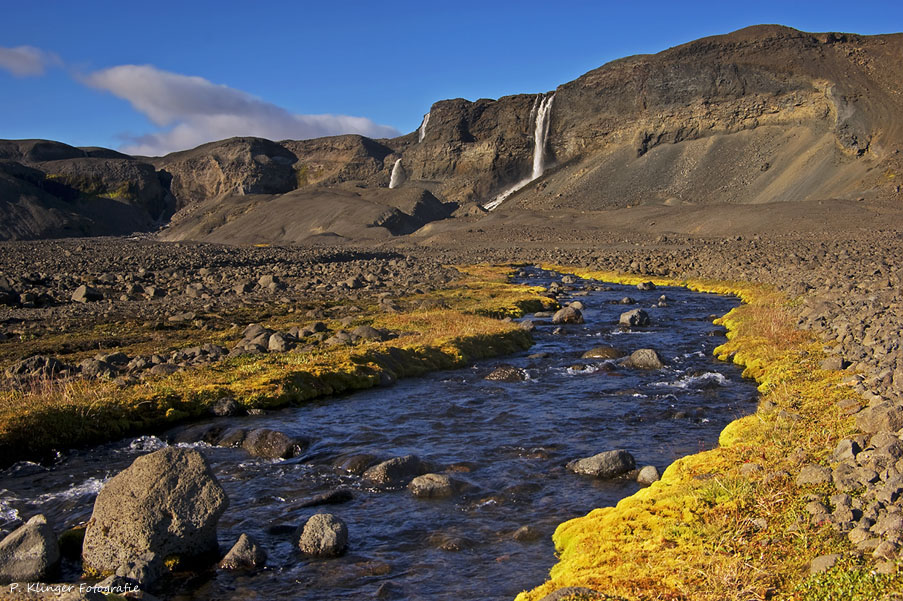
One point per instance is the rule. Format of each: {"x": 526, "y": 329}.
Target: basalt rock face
{"x": 49, "y": 189}
{"x": 764, "y": 114}
{"x": 232, "y": 166}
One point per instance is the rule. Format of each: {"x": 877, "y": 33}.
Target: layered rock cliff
{"x": 760, "y": 115}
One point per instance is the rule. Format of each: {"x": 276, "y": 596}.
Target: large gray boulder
{"x": 432, "y": 486}
{"x": 166, "y": 503}
{"x": 323, "y": 535}
{"x": 608, "y": 464}
{"x": 569, "y": 314}
{"x": 395, "y": 470}
{"x": 637, "y": 317}
{"x": 30, "y": 553}
{"x": 270, "y": 444}
{"x": 644, "y": 358}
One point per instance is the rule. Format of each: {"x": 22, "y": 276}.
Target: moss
{"x": 706, "y": 531}
{"x": 51, "y": 413}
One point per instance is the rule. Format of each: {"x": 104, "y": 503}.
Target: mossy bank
{"x": 735, "y": 522}
{"x": 442, "y": 329}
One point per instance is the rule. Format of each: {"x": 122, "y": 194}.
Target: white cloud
{"x": 197, "y": 111}
{"x": 27, "y": 61}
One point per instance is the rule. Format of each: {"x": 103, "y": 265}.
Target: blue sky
{"x": 151, "y": 77}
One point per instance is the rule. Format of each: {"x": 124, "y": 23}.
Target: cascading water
{"x": 422, "y": 131}
{"x": 397, "y": 175}
{"x": 540, "y": 136}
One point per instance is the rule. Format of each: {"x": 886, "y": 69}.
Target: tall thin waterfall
{"x": 422, "y": 131}
{"x": 540, "y": 137}
{"x": 397, "y": 175}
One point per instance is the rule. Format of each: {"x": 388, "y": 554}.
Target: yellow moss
{"x": 705, "y": 531}
{"x": 77, "y": 412}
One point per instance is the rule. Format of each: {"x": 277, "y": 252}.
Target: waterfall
{"x": 422, "y": 131}
{"x": 540, "y": 137}
{"x": 397, "y": 175}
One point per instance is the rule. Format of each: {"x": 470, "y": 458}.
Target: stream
{"x": 506, "y": 443}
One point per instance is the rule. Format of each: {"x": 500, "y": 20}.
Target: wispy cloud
{"x": 27, "y": 61}
{"x": 197, "y": 111}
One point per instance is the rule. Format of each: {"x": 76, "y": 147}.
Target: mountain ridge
{"x": 761, "y": 115}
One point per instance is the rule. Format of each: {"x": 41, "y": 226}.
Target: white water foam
{"x": 89, "y": 487}
{"x": 146, "y": 444}
{"x": 8, "y": 514}
{"x": 704, "y": 380}
{"x": 540, "y": 136}
{"x": 397, "y": 175}
{"x": 421, "y": 133}
{"x": 587, "y": 369}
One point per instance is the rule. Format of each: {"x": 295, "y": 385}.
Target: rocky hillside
{"x": 762, "y": 115}
{"x": 50, "y": 190}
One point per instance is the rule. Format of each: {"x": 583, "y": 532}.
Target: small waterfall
{"x": 422, "y": 130}
{"x": 397, "y": 175}
{"x": 542, "y": 110}
{"x": 540, "y": 135}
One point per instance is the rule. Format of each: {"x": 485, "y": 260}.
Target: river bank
{"x": 846, "y": 291}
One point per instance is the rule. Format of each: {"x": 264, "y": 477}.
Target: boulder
{"x": 225, "y": 407}
{"x": 323, "y": 535}
{"x": 602, "y": 352}
{"x": 636, "y": 317}
{"x": 30, "y": 553}
{"x": 644, "y": 358}
{"x": 167, "y": 503}
{"x": 882, "y": 417}
{"x": 607, "y": 464}
{"x": 432, "y": 486}
{"x": 648, "y": 474}
{"x": 812, "y": 474}
{"x": 507, "y": 373}
{"x": 86, "y": 294}
{"x": 367, "y": 333}
{"x": 245, "y": 554}
{"x": 645, "y": 286}
{"x": 270, "y": 444}
{"x": 395, "y": 470}
{"x": 569, "y": 314}
{"x": 39, "y": 366}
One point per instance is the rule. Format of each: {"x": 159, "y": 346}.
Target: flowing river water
{"x": 506, "y": 443}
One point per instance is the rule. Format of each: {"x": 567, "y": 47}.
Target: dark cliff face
{"x": 49, "y": 189}
{"x": 762, "y": 114}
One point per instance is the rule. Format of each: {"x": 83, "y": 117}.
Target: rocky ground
{"x": 846, "y": 285}
{"x": 849, "y": 287}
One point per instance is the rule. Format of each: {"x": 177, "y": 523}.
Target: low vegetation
{"x": 442, "y": 330}
{"x": 730, "y": 523}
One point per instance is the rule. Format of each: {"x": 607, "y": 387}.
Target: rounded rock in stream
{"x": 245, "y": 554}
{"x": 644, "y": 358}
{"x": 608, "y": 464}
{"x": 507, "y": 373}
{"x": 636, "y": 317}
{"x": 323, "y": 535}
{"x": 569, "y": 314}
{"x": 602, "y": 352}
{"x": 432, "y": 486}
{"x": 395, "y": 470}
{"x": 167, "y": 502}
{"x": 270, "y": 444}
